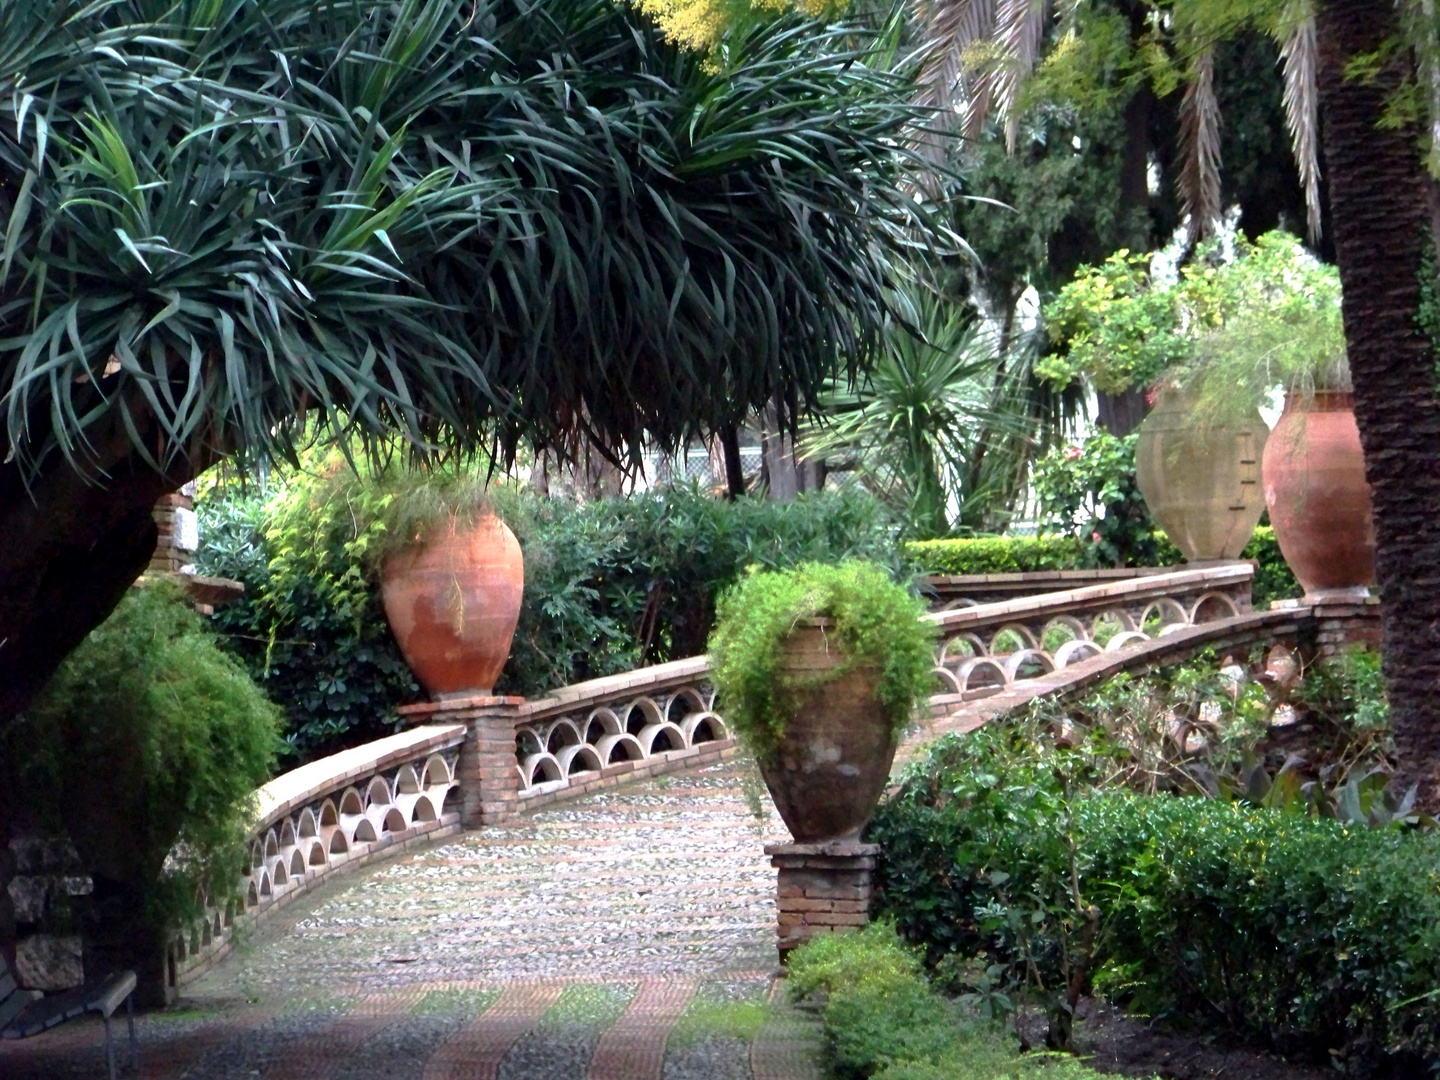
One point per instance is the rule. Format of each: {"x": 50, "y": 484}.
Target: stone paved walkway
{"x": 630, "y": 935}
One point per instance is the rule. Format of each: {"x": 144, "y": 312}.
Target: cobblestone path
{"x": 629, "y": 935}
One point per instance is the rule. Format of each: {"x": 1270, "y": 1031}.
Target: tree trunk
{"x": 734, "y": 471}
{"x": 1380, "y": 209}
{"x": 69, "y": 548}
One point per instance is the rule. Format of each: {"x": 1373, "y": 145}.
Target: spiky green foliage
{"x": 226, "y": 221}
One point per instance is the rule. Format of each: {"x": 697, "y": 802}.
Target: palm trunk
{"x": 1379, "y": 203}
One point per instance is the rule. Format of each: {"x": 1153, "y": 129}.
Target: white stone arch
{"x": 602, "y": 721}
{"x": 982, "y": 672}
{"x": 579, "y": 758}
{"x": 1079, "y": 649}
{"x": 423, "y": 810}
{"x": 1124, "y": 639}
{"x": 617, "y": 748}
{"x": 1071, "y": 625}
{"x": 377, "y": 792}
{"x": 406, "y": 781}
{"x": 948, "y": 682}
{"x": 962, "y": 647}
{"x": 351, "y": 805}
{"x": 1168, "y": 610}
{"x": 529, "y": 740}
{"x": 690, "y": 698}
{"x": 394, "y": 820}
{"x": 437, "y": 772}
{"x": 703, "y": 727}
{"x": 287, "y": 833}
{"x": 317, "y": 854}
{"x": 329, "y": 814}
{"x": 1212, "y": 607}
{"x": 307, "y": 826}
{"x": 1027, "y": 639}
{"x": 1021, "y": 657}
{"x": 561, "y": 733}
{"x": 667, "y": 733}
{"x": 641, "y": 713}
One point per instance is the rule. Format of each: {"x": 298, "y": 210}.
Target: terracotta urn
{"x": 1202, "y": 484}
{"x": 453, "y": 603}
{"x": 1317, "y": 493}
{"x": 835, "y": 755}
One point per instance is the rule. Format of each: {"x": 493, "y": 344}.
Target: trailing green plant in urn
{"x": 818, "y": 670}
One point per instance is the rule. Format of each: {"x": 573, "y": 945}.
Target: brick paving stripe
{"x": 475, "y": 1052}
{"x": 321, "y": 1053}
{"x": 634, "y": 1047}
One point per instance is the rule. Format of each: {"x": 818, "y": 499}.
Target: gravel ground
{"x": 664, "y": 885}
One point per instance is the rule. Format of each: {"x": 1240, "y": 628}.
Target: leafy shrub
{"x": 609, "y": 585}
{"x": 996, "y": 554}
{"x": 1307, "y": 934}
{"x": 882, "y": 1019}
{"x": 1089, "y": 492}
{"x": 1274, "y": 580}
{"x": 146, "y": 747}
{"x": 874, "y": 620}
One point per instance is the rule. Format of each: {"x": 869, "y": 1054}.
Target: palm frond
{"x": 1199, "y": 179}
{"x": 1020, "y": 31}
{"x": 1302, "y": 103}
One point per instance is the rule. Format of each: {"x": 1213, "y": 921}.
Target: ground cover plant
{"x": 882, "y": 1018}
{"x": 1146, "y": 847}
{"x": 609, "y": 585}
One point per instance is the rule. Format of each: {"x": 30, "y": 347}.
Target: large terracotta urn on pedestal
{"x": 1317, "y": 493}
{"x": 837, "y": 748}
{"x": 1201, "y": 483}
{"x": 453, "y": 602}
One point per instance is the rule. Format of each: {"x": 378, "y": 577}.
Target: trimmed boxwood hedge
{"x": 1027, "y": 554}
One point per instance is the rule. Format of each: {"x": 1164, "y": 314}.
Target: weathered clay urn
{"x": 452, "y": 604}
{"x": 835, "y": 756}
{"x": 1318, "y": 497}
{"x": 1201, "y": 483}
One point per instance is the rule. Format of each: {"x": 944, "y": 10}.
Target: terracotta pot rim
{"x": 1320, "y": 401}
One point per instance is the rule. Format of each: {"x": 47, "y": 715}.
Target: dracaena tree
{"x": 230, "y": 225}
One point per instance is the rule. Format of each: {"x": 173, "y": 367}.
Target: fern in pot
{"x": 819, "y": 669}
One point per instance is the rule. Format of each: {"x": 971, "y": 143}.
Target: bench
{"x": 22, "y": 1015}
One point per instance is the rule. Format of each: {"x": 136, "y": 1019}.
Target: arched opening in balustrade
{"x": 1010, "y": 638}
{"x": 394, "y": 821}
{"x": 582, "y": 758}
{"x": 272, "y": 845}
{"x": 338, "y": 844}
{"x": 350, "y": 804}
{"x": 541, "y": 769}
{"x": 206, "y": 936}
{"x": 307, "y": 827}
{"x": 956, "y": 650}
{"x": 984, "y": 673}
{"x": 437, "y": 772}
{"x": 377, "y": 792}
{"x": 640, "y": 714}
{"x": 682, "y": 704}
{"x": 614, "y": 749}
{"x": 252, "y": 895}
{"x": 265, "y": 891}
{"x": 1212, "y": 607}
{"x": 658, "y": 738}
{"x": 424, "y": 810}
{"x": 365, "y": 832}
{"x": 602, "y": 721}
{"x": 328, "y": 814}
{"x": 1162, "y": 613}
{"x": 452, "y": 801}
{"x": 279, "y": 876}
{"x": 229, "y": 912}
{"x": 1061, "y": 630}
{"x": 1028, "y": 664}
{"x": 297, "y": 864}
{"x": 528, "y": 741}
{"x": 560, "y": 734}
{"x": 317, "y": 854}
{"x": 287, "y": 834}
{"x": 257, "y": 854}
{"x": 1108, "y": 623}
{"x": 406, "y": 782}
{"x": 703, "y": 727}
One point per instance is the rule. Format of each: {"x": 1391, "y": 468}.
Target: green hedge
{"x": 1026, "y": 554}
{"x": 1314, "y": 937}
{"x": 996, "y": 554}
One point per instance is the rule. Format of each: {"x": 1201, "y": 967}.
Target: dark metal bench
{"x": 22, "y": 1016}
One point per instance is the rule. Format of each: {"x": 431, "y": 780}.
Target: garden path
{"x": 625, "y": 936}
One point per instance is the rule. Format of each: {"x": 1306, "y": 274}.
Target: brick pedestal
{"x": 1344, "y": 623}
{"x": 489, "y": 779}
{"x": 823, "y": 889}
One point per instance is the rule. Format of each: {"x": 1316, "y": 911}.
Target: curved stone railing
{"x": 594, "y": 733}
{"x": 500, "y": 756}
{"x": 987, "y": 648}
{"x": 332, "y": 815}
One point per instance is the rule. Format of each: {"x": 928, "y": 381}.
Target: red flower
{"x": 1073, "y": 454}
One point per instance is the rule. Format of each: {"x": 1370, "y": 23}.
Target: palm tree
{"x": 229, "y": 225}
{"x": 1381, "y": 203}
{"x": 982, "y": 51}
{"x": 938, "y": 427}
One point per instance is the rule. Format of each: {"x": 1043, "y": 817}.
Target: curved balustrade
{"x": 988, "y": 648}
{"x": 655, "y": 719}
{"x": 341, "y": 811}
